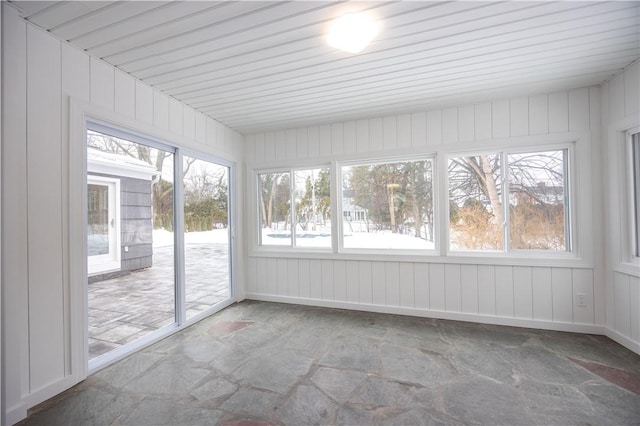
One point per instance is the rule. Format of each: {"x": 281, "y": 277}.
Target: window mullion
{"x": 292, "y": 209}
{"x": 506, "y": 232}
{"x": 178, "y": 226}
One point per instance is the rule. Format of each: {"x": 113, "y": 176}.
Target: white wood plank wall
{"x": 620, "y": 111}
{"x": 43, "y": 73}
{"x": 536, "y": 296}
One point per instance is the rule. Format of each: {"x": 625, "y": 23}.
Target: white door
{"x": 103, "y": 224}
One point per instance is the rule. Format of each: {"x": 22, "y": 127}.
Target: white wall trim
{"x": 453, "y": 316}
{"x": 623, "y": 340}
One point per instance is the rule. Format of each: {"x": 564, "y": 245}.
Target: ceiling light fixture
{"x": 352, "y": 32}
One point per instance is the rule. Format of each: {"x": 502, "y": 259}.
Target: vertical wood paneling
{"x": 389, "y": 132}
{"x": 280, "y": 138}
{"x": 353, "y": 284}
{"x": 250, "y": 148}
{"x": 504, "y": 291}
{"x": 328, "y": 290}
{"x": 407, "y": 297}
{"x": 519, "y": 114}
{"x": 269, "y": 146}
{"x": 212, "y": 133}
{"x": 302, "y": 147}
{"x": 453, "y": 293}
{"x": 583, "y": 284}
{"x": 272, "y": 276}
{"x": 350, "y": 138}
{"x": 292, "y": 278}
{"x": 201, "y": 128}
{"x": 337, "y": 138}
{"x": 469, "y": 288}
{"x": 579, "y": 110}
{"x": 500, "y": 119}
{"x": 466, "y": 123}
{"x": 365, "y": 281}
{"x": 282, "y": 275}
{"x": 419, "y": 129}
{"x": 325, "y": 140}
{"x": 262, "y": 276}
{"x": 144, "y": 103}
{"x": 161, "y": 110}
{"x": 44, "y": 184}
{"x": 291, "y": 145}
{"x": 450, "y": 125}
{"x": 542, "y": 294}
{"x": 558, "y": 112}
{"x": 634, "y": 308}
{"x": 379, "y": 291}
{"x": 375, "y": 134}
{"x": 76, "y": 74}
{"x": 522, "y": 292}
{"x": 616, "y": 98}
{"x": 15, "y": 284}
{"x": 482, "y": 121}
{"x": 421, "y": 285}
{"x": 125, "y": 94}
{"x": 251, "y": 275}
{"x": 434, "y": 127}
{"x": 315, "y": 279}
{"x": 404, "y": 131}
{"x": 189, "y": 123}
{"x": 102, "y": 84}
{"x": 486, "y": 290}
{"x": 562, "y": 294}
{"x": 259, "y": 147}
{"x": 436, "y": 287}
{"x": 340, "y": 280}
{"x": 362, "y": 136}
{"x": 313, "y": 135}
{"x": 392, "y": 284}
{"x": 622, "y": 303}
{"x": 538, "y": 115}
{"x": 303, "y": 278}
{"x": 632, "y": 90}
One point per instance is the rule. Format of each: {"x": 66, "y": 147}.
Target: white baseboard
{"x": 455, "y": 316}
{"x": 623, "y": 340}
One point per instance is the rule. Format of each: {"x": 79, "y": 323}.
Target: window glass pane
{"x": 206, "y": 238}
{"x": 275, "y": 208}
{"x": 636, "y": 185}
{"x": 475, "y": 203}
{"x": 131, "y": 290}
{"x": 388, "y": 205}
{"x": 537, "y": 210}
{"x": 313, "y": 207}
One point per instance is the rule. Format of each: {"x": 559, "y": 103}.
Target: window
{"x": 308, "y": 223}
{"x": 388, "y": 205}
{"x": 536, "y": 217}
{"x": 635, "y": 149}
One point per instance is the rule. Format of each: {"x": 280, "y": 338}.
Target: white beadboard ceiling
{"x": 264, "y": 65}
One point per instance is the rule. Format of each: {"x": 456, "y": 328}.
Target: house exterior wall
{"x": 41, "y": 77}
{"x": 519, "y": 291}
{"x": 620, "y": 112}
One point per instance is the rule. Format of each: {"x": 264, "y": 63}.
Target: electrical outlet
{"x": 581, "y": 300}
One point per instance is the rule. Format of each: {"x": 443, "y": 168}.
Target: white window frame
{"x": 257, "y": 223}
{"x": 632, "y": 244}
{"x": 507, "y": 252}
{"x": 112, "y": 260}
{"x": 337, "y": 186}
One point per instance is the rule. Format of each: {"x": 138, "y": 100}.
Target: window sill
{"x": 425, "y": 257}
{"x": 628, "y": 268}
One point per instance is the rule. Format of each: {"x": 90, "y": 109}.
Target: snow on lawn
{"x": 366, "y": 240}
{"x": 163, "y": 238}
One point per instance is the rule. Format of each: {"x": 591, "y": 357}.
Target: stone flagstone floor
{"x": 258, "y": 363}
{"x": 126, "y": 308}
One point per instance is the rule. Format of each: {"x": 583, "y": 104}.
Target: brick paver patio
{"x": 125, "y": 308}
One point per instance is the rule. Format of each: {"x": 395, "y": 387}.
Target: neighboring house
{"x": 120, "y": 216}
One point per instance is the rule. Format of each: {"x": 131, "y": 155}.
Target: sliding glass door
{"x": 142, "y": 280}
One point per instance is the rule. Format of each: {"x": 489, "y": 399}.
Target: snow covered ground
{"x": 163, "y": 238}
